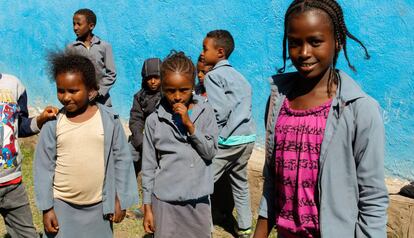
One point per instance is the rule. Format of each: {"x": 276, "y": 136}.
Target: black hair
{"x": 222, "y": 38}
{"x": 69, "y": 62}
{"x": 178, "y": 62}
{"x": 88, "y": 13}
{"x": 335, "y": 13}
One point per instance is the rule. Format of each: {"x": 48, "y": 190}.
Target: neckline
{"x": 298, "y": 112}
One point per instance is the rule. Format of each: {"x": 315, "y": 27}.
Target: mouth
{"x": 307, "y": 66}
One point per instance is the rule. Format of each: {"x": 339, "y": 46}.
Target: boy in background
{"x": 230, "y": 95}
{"x": 99, "y": 51}
{"x": 14, "y": 123}
{"x": 202, "y": 70}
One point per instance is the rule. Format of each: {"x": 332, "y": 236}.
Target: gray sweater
{"x": 230, "y": 95}
{"x": 119, "y": 171}
{"x": 176, "y": 166}
{"x": 352, "y": 198}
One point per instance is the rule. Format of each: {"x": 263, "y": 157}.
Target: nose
{"x": 66, "y": 98}
{"x": 305, "y": 51}
{"x": 152, "y": 81}
{"x": 177, "y": 97}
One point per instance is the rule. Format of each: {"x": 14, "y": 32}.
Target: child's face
{"x": 81, "y": 27}
{"x": 72, "y": 92}
{"x": 177, "y": 88}
{"x": 153, "y": 82}
{"x": 210, "y": 53}
{"x": 311, "y": 43}
{"x": 202, "y": 70}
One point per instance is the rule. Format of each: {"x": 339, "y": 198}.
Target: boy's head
{"x": 202, "y": 69}
{"x": 84, "y": 21}
{"x": 218, "y": 45}
{"x": 151, "y": 74}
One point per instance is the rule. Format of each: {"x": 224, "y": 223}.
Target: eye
{"x": 73, "y": 91}
{"x": 316, "y": 43}
{"x": 293, "y": 43}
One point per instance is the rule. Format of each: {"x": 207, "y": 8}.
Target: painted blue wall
{"x": 148, "y": 28}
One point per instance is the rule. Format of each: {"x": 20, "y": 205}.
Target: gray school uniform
{"x": 119, "y": 175}
{"x": 352, "y": 195}
{"x": 230, "y": 95}
{"x": 81, "y": 221}
{"x": 100, "y": 52}
{"x": 176, "y": 167}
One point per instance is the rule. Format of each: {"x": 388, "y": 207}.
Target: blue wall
{"x": 148, "y": 28}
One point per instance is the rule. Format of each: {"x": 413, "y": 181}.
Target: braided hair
{"x": 335, "y": 13}
{"x": 178, "y": 62}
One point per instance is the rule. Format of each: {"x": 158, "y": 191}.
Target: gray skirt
{"x": 81, "y": 221}
{"x": 190, "y": 219}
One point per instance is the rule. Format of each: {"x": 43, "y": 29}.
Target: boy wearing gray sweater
{"x": 230, "y": 95}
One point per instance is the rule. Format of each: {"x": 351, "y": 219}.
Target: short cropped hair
{"x": 88, "y": 13}
{"x": 70, "y": 62}
{"x": 223, "y": 39}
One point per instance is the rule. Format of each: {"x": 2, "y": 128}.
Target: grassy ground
{"x": 129, "y": 227}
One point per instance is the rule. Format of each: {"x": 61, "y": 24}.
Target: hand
{"x": 182, "y": 110}
{"x": 119, "y": 213}
{"x": 263, "y": 228}
{"x": 48, "y": 113}
{"x": 148, "y": 221}
{"x": 50, "y": 221}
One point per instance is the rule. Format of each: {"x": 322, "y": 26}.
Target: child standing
{"x": 202, "y": 70}
{"x": 90, "y": 45}
{"x": 83, "y": 172}
{"x": 145, "y": 101}
{"x": 14, "y": 203}
{"x": 230, "y": 95}
{"x": 324, "y": 170}
{"x": 180, "y": 141}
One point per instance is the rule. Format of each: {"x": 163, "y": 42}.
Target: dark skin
{"x": 83, "y": 29}
{"x": 211, "y": 53}
{"x": 312, "y": 47}
{"x": 76, "y": 97}
{"x": 177, "y": 89}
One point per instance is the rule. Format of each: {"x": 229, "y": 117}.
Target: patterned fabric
{"x": 14, "y": 123}
{"x": 298, "y": 137}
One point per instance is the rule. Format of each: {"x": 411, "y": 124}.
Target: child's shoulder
{"x": 97, "y": 39}
{"x": 283, "y": 82}
{"x": 10, "y": 78}
{"x": 107, "y": 111}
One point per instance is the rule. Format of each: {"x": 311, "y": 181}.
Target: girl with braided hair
{"x": 324, "y": 172}
{"x": 180, "y": 141}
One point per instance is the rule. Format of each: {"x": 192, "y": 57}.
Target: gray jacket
{"x": 119, "y": 170}
{"x": 176, "y": 166}
{"x": 100, "y": 52}
{"x": 230, "y": 95}
{"x": 353, "y": 198}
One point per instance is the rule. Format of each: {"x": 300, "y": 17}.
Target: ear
{"x": 221, "y": 52}
{"x": 91, "y": 26}
{"x": 338, "y": 47}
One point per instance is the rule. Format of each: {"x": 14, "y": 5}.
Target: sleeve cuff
{"x": 147, "y": 198}
{"x": 33, "y": 125}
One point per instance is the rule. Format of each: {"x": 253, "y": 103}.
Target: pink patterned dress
{"x": 298, "y": 139}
